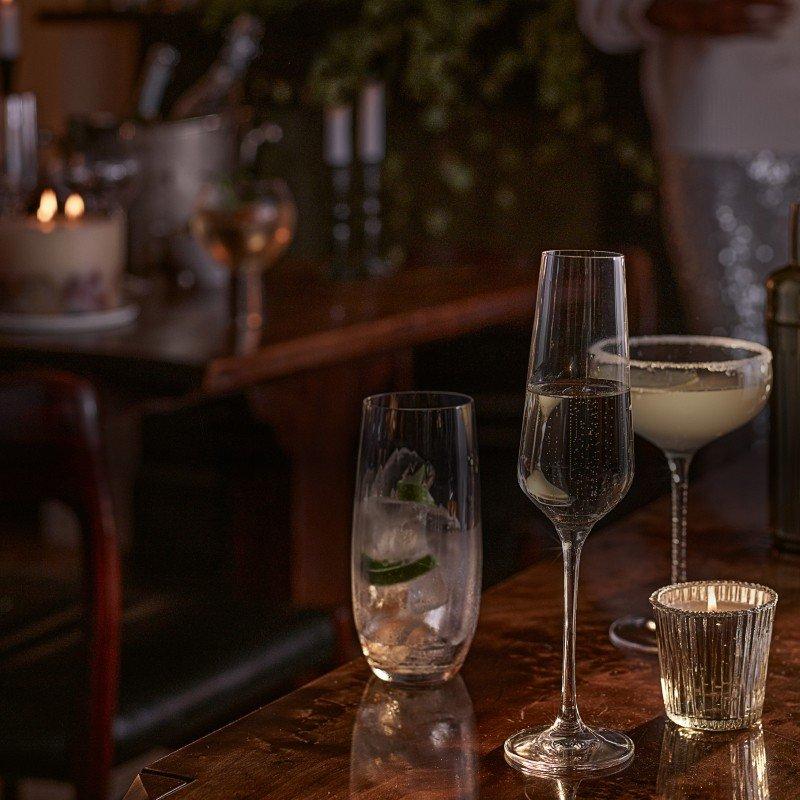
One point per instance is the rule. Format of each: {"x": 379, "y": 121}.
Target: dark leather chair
{"x": 83, "y": 688}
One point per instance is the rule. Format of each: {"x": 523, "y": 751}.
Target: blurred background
{"x": 225, "y": 222}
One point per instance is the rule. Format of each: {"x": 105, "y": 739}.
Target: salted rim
{"x": 656, "y": 603}
{"x": 759, "y": 352}
{"x": 453, "y": 400}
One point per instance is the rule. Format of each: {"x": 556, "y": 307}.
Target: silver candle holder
{"x": 713, "y": 647}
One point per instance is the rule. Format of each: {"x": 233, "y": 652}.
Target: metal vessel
{"x": 176, "y": 159}
{"x": 783, "y": 326}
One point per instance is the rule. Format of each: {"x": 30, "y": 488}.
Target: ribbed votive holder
{"x": 713, "y": 647}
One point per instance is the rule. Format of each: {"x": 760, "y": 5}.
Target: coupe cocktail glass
{"x": 687, "y": 391}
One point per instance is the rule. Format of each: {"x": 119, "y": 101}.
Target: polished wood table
{"x": 182, "y": 342}
{"x": 348, "y": 736}
{"x": 325, "y": 346}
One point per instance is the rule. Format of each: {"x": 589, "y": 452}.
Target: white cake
{"x": 63, "y": 265}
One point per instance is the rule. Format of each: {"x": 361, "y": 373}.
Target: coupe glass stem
{"x": 247, "y": 296}
{"x": 679, "y": 471}
{"x": 569, "y": 719}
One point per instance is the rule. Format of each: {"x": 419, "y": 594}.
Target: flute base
{"x": 636, "y": 634}
{"x": 546, "y": 751}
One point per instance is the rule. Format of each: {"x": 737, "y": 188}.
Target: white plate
{"x": 77, "y": 322}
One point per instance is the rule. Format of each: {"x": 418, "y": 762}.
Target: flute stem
{"x": 569, "y": 719}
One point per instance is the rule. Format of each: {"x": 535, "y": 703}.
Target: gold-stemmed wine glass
{"x": 245, "y": 225}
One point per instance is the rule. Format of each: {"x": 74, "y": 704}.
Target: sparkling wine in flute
{"x": 576, "y": 459}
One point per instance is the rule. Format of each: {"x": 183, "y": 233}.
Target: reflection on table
{"x": 725, "y": 765}
{"x": 691, "y": 765}
{"x": 414, "y": 740}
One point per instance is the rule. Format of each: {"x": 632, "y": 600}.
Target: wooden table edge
{"x": 362, "y": 339}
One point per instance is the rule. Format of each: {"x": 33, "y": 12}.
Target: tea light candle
{"x": 713, "y": 649}
{"x": 61, "y": 260}
{"x": 711, "y": 604}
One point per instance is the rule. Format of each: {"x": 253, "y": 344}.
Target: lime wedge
{"x": 413, "y": 487}
{"x": 546, "y": 492}
{"x": 667, "y": 380}
{"x": 387, "y": 573}
{"x": 414, "y": 492}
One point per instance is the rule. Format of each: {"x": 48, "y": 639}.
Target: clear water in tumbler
{"x": 416, "y": 577}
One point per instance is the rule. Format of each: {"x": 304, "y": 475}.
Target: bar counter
{"x": 348, "y": 736}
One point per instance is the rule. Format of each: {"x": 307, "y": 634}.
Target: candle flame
{"x": 74, "y": 207}
{"x": 712, "y": 599}
{"x": 48, "y": 205}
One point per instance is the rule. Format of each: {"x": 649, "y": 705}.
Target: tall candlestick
{"x": 20, "y": 134}
{"x": 9, "y": 40}
{"x": 372, "y": 123}
{"x": 374, "y": 261}
{"x": 339, "y": 136}
{"x": 338, "y": 153}
{"x": 371, "y": 152}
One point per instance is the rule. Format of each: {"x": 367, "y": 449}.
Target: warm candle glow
{"x": 48, "y": 206}
{"x": 74, "y": 207}
{"x": 712, "y": 599}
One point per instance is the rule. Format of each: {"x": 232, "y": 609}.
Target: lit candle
{"x": 74, "y": 207}
{"x": 710, "y": 604}
{"x": 709, "y": 631}
{"x": 55, "y": 263}
{"x": 48, "y": 207}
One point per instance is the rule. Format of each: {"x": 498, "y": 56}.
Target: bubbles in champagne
{"x": 576, "y": 455}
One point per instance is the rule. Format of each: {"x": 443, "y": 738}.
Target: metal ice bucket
{"x": 176, "y": 159}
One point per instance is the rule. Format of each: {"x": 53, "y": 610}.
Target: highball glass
{"x": 416, "y": 547}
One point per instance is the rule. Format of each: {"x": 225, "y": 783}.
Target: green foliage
{"x": 461, "y": 60}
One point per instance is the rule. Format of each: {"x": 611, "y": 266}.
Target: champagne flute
{"x": 575, "y": 464}
{"x": 687, "y": 391}
{"x": 246, "y": 226}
